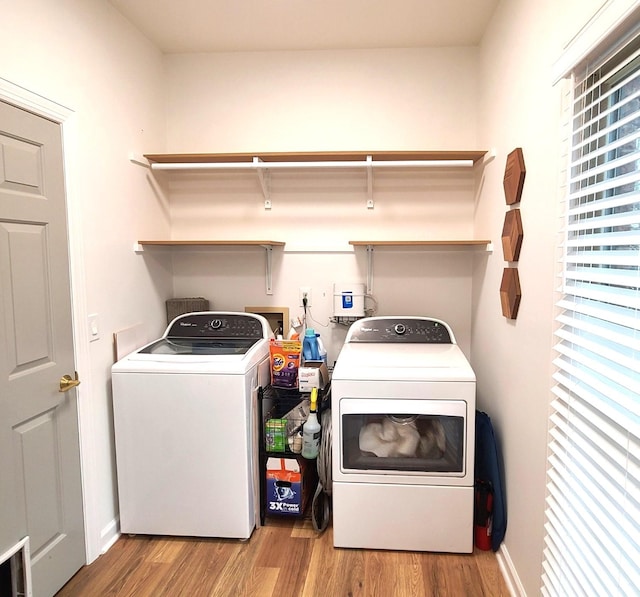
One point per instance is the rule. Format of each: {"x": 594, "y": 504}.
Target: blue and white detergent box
{"x": 284, "y": 486}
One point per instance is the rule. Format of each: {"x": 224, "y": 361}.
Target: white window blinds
{"x": 592, "y": 544}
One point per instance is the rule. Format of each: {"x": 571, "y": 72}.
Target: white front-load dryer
{"x": 185, "y": 425}
{"x": 403, "y": 421}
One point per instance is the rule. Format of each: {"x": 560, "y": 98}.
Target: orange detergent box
{"x": 285, "y": 362}
{"x": 284, "y": 486}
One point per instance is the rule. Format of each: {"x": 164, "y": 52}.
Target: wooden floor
{"x": 285, "y": 558}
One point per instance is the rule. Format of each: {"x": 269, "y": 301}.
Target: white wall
{"x": 323, "y": 101}
{"x": 520, "y": 107}
{"x": 85, "y": 56}
{"x": 403, "y": 285}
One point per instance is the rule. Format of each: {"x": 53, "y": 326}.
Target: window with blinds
{"x": 592, "y": 544}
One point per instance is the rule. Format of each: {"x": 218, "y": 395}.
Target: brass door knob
{"x": 67, "y": 382}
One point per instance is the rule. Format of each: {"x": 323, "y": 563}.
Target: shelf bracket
{"x": 139, "y": 160}
{"x": 369, "y": 269}
{"x": 263, "y": 177}
{"x": 268, "y": 274}
{"x": 369, "y": 182}
{"x": 490, "y": 156}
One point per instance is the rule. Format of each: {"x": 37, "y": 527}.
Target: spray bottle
{"x": 311, "y": 429}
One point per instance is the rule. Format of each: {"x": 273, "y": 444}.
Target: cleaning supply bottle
{"x": 322, "y": 351}
{"x": 293, "y": 334}
{"x": 310, "y": 350}
{"x": 311, "y": 429}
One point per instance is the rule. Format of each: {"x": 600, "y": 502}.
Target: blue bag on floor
{"x": 489, "y": 468}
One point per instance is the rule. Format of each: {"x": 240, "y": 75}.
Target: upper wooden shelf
{"x": 323, "y": 156}
{"x": 263, "y": 163}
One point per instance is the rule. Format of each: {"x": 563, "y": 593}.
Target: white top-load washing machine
{"x": 185, "y": 426}
{"x": 403, "y": 419}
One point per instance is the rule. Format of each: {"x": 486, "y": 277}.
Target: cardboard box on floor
{"x": 289, "y": 485}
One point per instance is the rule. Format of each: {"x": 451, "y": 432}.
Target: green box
{"x": 276, "y": 435}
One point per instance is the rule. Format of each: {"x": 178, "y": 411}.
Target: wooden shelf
{"x": 263, "y": 163}
{"x": 420, "y": 243}
{"x": 323, "y": 156}
{"x": 211, "y": 243}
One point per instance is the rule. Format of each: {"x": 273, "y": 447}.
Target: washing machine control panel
{"x": 410, "y": 330}
{"x": 216, "y": 325}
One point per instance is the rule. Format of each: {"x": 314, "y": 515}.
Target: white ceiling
{"x": 261, "y": 25}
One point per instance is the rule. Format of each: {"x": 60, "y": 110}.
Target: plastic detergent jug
{"x": 311, "y": 429}
{"x": 322, "y": 351}
{"x": 310, "y": 350}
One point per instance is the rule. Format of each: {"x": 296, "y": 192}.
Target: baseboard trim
{"x": 509, "y": 573}
{"x": 109, "y": 535}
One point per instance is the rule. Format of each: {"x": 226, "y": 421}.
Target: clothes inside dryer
{"x": 403, "y": 442}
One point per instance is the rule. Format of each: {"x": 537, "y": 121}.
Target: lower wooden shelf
{"x": 210, "y": 243}
{"x": 421, "y": 243}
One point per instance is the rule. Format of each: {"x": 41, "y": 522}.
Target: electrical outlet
{"x": 305, "y": 292}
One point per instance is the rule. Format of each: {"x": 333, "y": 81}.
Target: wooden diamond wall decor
{"x": 512, "y": 235}
{"x": 514, "y": 173}
{"x": 510, "y": 292}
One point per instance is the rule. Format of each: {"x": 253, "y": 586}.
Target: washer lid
{"x": 197, "y": 346}
{"x": 206, "y": 341}
{"x": 209, "y": 333}
{"x": 225, "y": 362}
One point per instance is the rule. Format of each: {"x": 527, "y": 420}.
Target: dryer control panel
{"x": 401, "y": 330}
{"x": 217, "y": 325}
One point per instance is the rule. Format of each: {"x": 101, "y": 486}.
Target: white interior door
{"x": 40, "y": 489}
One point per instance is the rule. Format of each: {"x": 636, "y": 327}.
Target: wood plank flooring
{"x": 285, "y": 558}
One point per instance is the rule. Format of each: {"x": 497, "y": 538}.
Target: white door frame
{"x": 28, "y": 100}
